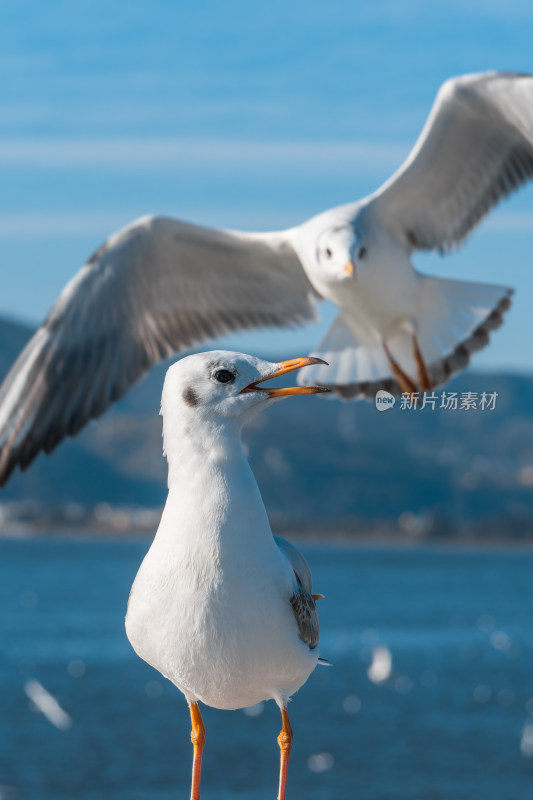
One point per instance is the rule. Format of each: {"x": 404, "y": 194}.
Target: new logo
{"x": 384, "y": 400}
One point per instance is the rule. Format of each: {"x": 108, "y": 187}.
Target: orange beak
{"x": 349, "y": 269}
{"x": 288, "y": 366}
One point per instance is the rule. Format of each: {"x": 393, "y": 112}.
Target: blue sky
{"x": 235, "y": 114}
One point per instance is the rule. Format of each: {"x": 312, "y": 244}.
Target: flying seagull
{"x": 159, "y": 285}
{"x": 220, "y": 607}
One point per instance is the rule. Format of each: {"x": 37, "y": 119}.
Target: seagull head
{"x": 332, "y": 250}
{"x": 338, "y": 251}
{"x": 222, "y": 385}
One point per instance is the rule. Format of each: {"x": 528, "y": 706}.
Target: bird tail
{"x": 453, "y": 319}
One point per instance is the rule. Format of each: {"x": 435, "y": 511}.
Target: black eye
{"x": 223, "y": 376}
{"x": 362, "y": 252}
{"x": 328, "y": 252}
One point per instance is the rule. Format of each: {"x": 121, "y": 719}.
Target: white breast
{"x": 210, "y": 606}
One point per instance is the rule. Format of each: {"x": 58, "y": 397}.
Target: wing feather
{"x": 154, "y": 288}
{"x": 475, "y": 148}
{"x": 302, "y": 600}
{"x": 306, "y": 615}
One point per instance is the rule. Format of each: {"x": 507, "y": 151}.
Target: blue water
{"x": 447, "y": 724}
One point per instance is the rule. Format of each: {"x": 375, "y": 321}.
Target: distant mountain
{"x": 321, "y": 462}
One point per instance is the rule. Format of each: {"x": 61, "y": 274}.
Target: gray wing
{"x": 475, "y": 148}
{"x": 154, "y": 288}
{"x": 302, "y": 601}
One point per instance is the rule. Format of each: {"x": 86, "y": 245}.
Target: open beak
{"x": 349, "y": 269}
{"x": 288, "y": 366}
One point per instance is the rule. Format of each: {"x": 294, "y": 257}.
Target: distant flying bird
{"x": 158, "y": 286}
{"x": 220, "y": 607}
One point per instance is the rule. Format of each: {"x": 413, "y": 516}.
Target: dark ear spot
{"x": 190, "y": 397}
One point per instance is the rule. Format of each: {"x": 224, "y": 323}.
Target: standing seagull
{"x": 159, "y": 285}
{"x": 219, "y": 606}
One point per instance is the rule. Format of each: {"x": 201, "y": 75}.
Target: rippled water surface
{"x": 449, "y": 720}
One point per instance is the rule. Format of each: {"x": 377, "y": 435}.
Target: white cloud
{"x": 48, "y": 225}
{"x": 168, "y": 153}
{"x": 59, "y": 224}
{"x": 511, "y": 222}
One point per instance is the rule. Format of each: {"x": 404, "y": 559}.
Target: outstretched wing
{"x": 475, "y": 148}
{"x": 302, "y": 600}
{"x": 154, "y": 288}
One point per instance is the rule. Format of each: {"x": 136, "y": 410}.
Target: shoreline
{"x": 337, "y": 539}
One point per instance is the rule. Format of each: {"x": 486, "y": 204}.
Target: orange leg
{"x": 405, "y": 382}
{"x": 197, "y": 739}
{"x": 423, "y": 377}
{"x": 285, "y": 742}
